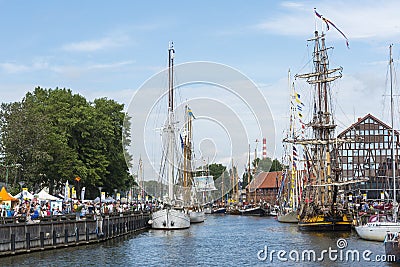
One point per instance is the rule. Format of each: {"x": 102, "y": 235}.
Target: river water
{"x": 222, "y": 240}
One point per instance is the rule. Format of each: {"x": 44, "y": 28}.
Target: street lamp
{"x": 17, "y": 165}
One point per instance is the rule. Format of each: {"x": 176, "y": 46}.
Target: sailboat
{"x": 204, "y": 185}
{"x": 195, "y": 210}
{"x": 253, "y": 209}
{"x": 288, "y": 195}
{"x": 171, "y": 216}
{"x": 320, "y": 208}
{"x": 378, "y": 226}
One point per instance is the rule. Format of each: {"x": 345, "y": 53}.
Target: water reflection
{"x": 219, "y": 241}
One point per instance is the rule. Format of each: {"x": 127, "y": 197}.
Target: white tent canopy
{"x": 25, "y": 195}
{"x": 44, "y": 195}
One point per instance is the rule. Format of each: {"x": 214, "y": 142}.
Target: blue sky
{"x": 109, "y": 49}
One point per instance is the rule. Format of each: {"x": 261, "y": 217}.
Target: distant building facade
{"x": 264, "y": 187}
{"x": 370, "y": 156}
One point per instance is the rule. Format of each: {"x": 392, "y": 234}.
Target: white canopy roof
{"x": 25, "y": 195}
{"x": 44, "y": 195}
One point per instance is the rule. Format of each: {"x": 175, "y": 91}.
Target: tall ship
{"x": 320, "y": 207}
{"x": 190, "y": 197}
{"x": 170, "y": 216}
{"x": 289, "y": 191}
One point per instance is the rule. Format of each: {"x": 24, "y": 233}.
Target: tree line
{"x": 53, "y": 136}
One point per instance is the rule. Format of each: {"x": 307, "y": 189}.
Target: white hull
{"x": 207, "y": 210}
{"x": 196, "y": 216}
{"x": 290, "y": 217}
{"x": 377, "y": 231}
{"x": 170, "y": 219}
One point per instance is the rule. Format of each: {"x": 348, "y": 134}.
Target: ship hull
{"x": 197, "y": 216}
{"x": 377, "y": 231}
{"x": 258, "y": 211}
{"x": 324, "y": 226}
{"x": 290, "y": 217}
{"x": 170, "y": 219}
{"x": 218, "y": 211}
{"x": 322, "y": 223}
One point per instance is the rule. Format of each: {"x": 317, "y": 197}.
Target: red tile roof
{"x": 265, "y": 180}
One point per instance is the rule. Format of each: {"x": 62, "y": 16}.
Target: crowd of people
{"x": 35, "y": 209}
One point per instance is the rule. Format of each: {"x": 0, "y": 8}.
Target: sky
{"x": 113, "y": 49}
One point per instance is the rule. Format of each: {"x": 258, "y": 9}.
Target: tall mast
{"x": 187, "y": 154}
{"x": 292, "y": 131}
{"x": 393, "y": 150}
{"x": 248, "y": 170}
{"x": 170, "y": 126}
{"x": 322, "y": 122}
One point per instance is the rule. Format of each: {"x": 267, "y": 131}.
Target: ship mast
{"x": 187, "y": 154}
{"x": 393, "y": 143}
{"x": 170, "y": 125}
{"x": 322, "y": 122}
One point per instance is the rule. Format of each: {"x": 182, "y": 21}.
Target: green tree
{"x": 216, "y": 170}
{"x": 56, "y": 136}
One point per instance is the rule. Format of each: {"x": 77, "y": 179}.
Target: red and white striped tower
{"x": 264, "y": 148}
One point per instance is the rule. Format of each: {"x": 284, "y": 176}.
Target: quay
{"x": 52, "y": 232}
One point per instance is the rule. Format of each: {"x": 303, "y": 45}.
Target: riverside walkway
{"x": 18, "y": 236}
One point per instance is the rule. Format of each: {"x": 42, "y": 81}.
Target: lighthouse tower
{"x": 264, "y": 148}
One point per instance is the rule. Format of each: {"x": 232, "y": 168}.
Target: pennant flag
{"x": 190, "y": 112}
{"x": 182, "y": 143}
{"x": 294, "y": 148}
{"x": 300, "y": 115}
{"x": 294, "y": 153}
{"x": 297, "y": 98}
{"x": 299, "y": 108}
{"x": 327, "y": 22}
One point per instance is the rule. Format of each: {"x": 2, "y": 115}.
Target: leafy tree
{"x": 276, "y": 166}
{"x": 216, "y": 170}
{"x": 56, "y": 135}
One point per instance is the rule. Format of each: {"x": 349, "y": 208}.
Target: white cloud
{"x": 96, "y": 45}
{"x": 78, "y": 70}
{"x": 369, "y": 20}
{"x": 13, "y": 67}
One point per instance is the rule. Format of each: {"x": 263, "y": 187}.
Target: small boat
{"x": 378, "y": 226}
{"x": 290, "y": 216}
{"x": 207, "y": 210}
{"x": 197, "y": 216}
{"x": 233, "y": 211}
{"x": 253, "y": 211}
{"x": 220, "y": 210}
{"x": 392, "y": 247}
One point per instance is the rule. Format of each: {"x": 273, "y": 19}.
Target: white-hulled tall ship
{"x": 170, "y": 217}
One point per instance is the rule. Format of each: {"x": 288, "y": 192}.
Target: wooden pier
{"x": 18, "y": 236}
